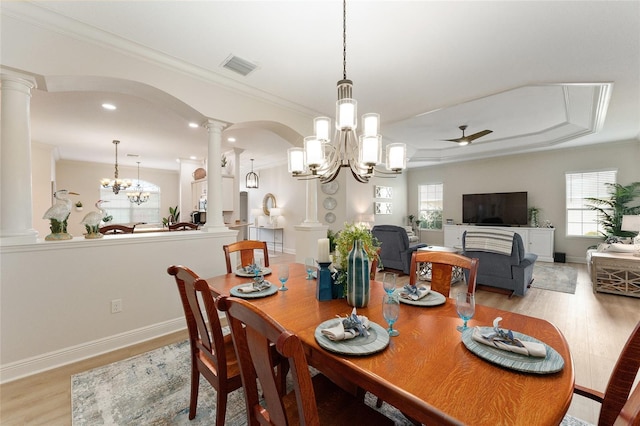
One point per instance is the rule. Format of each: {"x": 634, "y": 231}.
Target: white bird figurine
{"x": 58, "y": 215}
{"x": 91, "y": 221}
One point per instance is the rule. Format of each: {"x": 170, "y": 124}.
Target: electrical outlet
{"x": 116, "y": 306}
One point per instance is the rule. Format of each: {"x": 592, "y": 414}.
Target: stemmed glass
{"x": 310, "y": 264}
{"x": 257, "y": 268}
{"x": 465, "y": 307}
{"x": 390, "y": 312}
{"x": 283, "y": 276}
{"x": 389, "y": 282}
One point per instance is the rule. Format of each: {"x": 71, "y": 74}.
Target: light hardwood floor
{"x": 595, "y": 325}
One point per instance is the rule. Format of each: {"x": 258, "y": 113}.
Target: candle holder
{"x": 324, "y": 282}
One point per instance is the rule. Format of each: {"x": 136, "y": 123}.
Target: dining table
{"x": 427, "y": 371}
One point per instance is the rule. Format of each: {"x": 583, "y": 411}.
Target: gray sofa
{"x": 395, "y": 248}
{"x": 512, "y": 272}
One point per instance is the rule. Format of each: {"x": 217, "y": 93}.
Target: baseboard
{"x": 27, "y": 367}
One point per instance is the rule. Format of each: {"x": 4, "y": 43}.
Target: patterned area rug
{"x": 153, "y": 389}
{"x": 555, "y": 277}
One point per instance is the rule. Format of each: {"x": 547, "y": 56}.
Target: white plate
{"x": 329, "y": 203}
{"x": 330, "y": 188}
{"x": 330, "y": 217}
{"x": 377, "y": 340}
{"x": 243, "y": 273}
{"x": 254, "y": 295}
{"x": 432, "y": 299}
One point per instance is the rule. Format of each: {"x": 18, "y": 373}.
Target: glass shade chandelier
{"x": 116, "y": 184}
{"x": 323, "y": 158}
{"x": 137, "y": 195}
{"x": 252, "y": 180}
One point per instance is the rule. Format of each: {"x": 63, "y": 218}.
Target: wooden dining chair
{"x": 246, "y": 249}
{"x": 183, "y": 226}
{"x": 116, "y": 229}
{"x": 442, "y": 264}
{"x": 212, "y": 353}
{"x": 618, "y": 407}
{"x": 313, "y": 401}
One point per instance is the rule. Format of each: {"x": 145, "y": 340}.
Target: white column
{"x": 312, "y": 203}
{"x": 215, "y": 220}
{"x": 16, "y": 205}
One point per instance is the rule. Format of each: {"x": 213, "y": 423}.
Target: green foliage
{"x": 108, "y": 218}
{"x": 223, "y": 161}
{"x": 610, "y": 210}
{"x": 332, "y": 240}
{"x": 174, "y": 216}
{"x": 79, "y": 204}
{"x": 345, "y": 241}
{"x": 58, "y": 227}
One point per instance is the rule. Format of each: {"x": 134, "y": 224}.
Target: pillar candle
{"x": 323, "y": 250}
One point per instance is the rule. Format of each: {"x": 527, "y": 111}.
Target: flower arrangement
{"x": 344, "y": 241}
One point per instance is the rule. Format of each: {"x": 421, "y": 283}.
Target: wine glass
{"x": 283, "y": 276}
{"x": 389, "y": 282}
{"x": 465, "y": 307}
{"x": 257, "y": 267}
{"x": 310, "y": 264}
{"x": 390, "y": 312}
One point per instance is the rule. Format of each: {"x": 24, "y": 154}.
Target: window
{"x": 430, "y": 206}
{"x": 582, "y": 221}
{"x": 126, "y": 212}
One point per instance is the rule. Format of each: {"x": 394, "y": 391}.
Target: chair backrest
{"x": 624, "y": 373}
{"x": 182, "y": 226}
{"x": 516, "y": 244}
{"x": 246, "y": 249}
{"x": 254, "y": 332}
{"x": 630, "y": 413}
{"x": 205, "y": 335}
{"x": 116, "y": 229}
{"x": 442, "y": 264}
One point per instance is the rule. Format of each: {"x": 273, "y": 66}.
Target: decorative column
{"x": 215, "y": 221}
{"x": 312, "y": 203}
{"x": 310, "y": 231}
{"x": 16, "y": 216}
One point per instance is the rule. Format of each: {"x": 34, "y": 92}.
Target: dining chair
{"x": 246, "y": 249}
{"x": 182, "y": 226}
{"x": 212, "y": 353}
{"x": 312, "y": 401}
{"x": 116, "y": 229}
{"x": 616, "y": 400}
{"x": 442, "y": 264}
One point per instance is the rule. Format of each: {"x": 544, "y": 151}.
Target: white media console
{"x": 535, "y": 240}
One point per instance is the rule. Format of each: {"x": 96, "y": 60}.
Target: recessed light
{"x": 231, "y": 139}
{"x": 193, "y": 157}
{"x": 193, "y": 125}
{"x": 110, "y": 107}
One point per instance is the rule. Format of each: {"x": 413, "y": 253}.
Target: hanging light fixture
{"x": 115, "y": 183}
{"x": 324, "y": 159}
{"x": 137, "y": 196}
{"x": 252, "y": 180}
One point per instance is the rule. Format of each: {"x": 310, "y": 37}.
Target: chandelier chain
{"x": 344, "y": 39}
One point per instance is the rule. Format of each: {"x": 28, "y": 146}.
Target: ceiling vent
{"x": 239, "y": 65}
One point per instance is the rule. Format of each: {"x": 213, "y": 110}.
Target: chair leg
{"x": 195, "y": 384}
{"x": 221, "y": 407}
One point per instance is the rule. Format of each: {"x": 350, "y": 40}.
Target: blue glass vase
{"x": 358, "y": 276}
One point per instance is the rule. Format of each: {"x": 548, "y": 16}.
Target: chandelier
{"x": 137, "y": 196}
{"x": 251, "y": 180}
{"x": 115, "y": 183}
{"x": 321, "y": 158}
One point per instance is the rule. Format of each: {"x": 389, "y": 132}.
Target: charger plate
{"x": 433, "y": 298}
{"x": 243, "y": 273}
{"x": 253, "y": 295}
{"x": 377, "y": 340}
{"x": 527, "y": 364}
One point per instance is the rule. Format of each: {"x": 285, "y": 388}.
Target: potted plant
{"x": 344, "y": 243}
{"x": 533, "y": 216}
{"x": 610, "y": 210}
{"x": 79, "y": 206}
{"x": 174, "y": 216}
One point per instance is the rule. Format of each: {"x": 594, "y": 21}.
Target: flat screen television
{"x": 500, "y": 208}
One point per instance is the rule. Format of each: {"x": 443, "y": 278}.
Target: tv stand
{"x": 535, "y": 240}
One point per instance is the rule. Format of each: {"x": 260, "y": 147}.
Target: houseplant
{"x": 610, "y": 210}
{"x": 174, "y": 216}
{"x": 344, "y": 243}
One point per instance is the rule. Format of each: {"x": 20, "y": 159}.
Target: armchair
{"x": 395, "y": 248}
{"x": 503, "y": 262}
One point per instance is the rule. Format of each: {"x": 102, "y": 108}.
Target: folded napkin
{"x": 254, "y": 286}
{"x": 350, "y": 327}
{"x": 414, "y": 292}
{"x": 505, "y": 341}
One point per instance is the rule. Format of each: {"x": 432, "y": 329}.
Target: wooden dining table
{"x": 426, "y": 372}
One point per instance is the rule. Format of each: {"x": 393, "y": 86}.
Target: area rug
{"x": 153, "y": 389}
{"x": 555, "y": 277}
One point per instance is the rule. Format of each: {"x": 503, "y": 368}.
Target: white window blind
{"x": 582, "y": 221}
{"x": 430, "y": 204}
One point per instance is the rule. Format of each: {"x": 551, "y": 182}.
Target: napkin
{"x": 255, "y": 286}
{"x": 505, "y": 341}
{"x": 350, "y": 327}
{"x": 414, "y": 292}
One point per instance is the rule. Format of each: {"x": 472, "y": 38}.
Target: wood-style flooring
{"x": 595, "y": 325}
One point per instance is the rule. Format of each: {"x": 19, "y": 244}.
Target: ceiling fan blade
{"x": 478, "y": 135}
{"x": 455, "y": 140}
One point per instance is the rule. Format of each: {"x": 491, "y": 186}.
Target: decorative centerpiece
{"x": 91, "y": 221}
{"x": 58, "y": 214}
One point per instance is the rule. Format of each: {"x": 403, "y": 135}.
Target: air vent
{"x": 239, "y": 65}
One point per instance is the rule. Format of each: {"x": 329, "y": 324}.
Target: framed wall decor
{"x": 383, "y": 191}
{"x": 382, "y": 208}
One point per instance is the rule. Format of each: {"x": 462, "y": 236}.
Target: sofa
{"x": 503, "y": 261}
{"x": 395, "y": 247}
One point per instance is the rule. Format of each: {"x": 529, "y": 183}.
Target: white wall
{"x": 541, "y": 174}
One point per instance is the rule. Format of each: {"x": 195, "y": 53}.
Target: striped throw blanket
{"x": 491, "y": 240}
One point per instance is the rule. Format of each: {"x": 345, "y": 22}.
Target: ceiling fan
{"x": 466, "y": 140}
